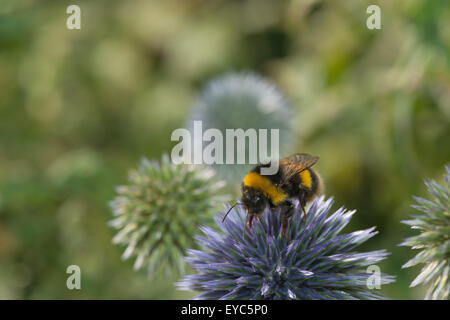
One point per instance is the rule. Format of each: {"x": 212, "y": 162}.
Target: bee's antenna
{"x": 226, "y": 214}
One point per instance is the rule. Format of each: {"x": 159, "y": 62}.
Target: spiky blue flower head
{"x": 157, "y": 214}
{"x": 318, "y": 262}
{"x": 243, "y": 100}
{"x": 433, "y": 240}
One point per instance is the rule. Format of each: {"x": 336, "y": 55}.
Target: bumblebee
{"x": 294, "y": 184}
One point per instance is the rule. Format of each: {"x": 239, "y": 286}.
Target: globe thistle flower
{"x": 318, "y": 262}
{"x": 158, "y": 213}
{"x": 433, "y": 240}
{"x": 243, "y": 101}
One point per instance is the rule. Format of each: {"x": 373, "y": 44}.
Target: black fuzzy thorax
{"x": 294, "y": 187}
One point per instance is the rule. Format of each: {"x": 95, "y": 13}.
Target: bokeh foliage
{"x": 78, "y": 108}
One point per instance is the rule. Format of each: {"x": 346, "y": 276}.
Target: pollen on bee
{"x": 263, "y": 184}
{"x": 306, "y": 179}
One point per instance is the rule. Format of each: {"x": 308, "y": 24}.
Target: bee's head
{"x": 253, "y": 200}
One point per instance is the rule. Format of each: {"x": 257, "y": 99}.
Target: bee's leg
{"x": 250, "y": 221}
{"x": 284, "y": 225}
{"x": 245, "y": 227}
{"x": 286, "y": 213}
{"x": 248, "y": 224}
{"x": 304, "y": 213}
{"x": 302, "y": 205}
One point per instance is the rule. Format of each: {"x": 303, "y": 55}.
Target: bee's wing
{"x": 295, "y": 164}
{"x": 303, "y": 159}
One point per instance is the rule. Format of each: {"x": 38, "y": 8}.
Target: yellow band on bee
{"x": 263, "y": 184}
{"x": 305, "y": 177}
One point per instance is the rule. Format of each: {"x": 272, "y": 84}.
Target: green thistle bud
{"x": 160, "y": 210}
{"x": 243, "y": 100}
{"x": 433, "y": 240}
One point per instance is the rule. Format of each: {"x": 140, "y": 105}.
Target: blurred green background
{"x": 79, "y": 108}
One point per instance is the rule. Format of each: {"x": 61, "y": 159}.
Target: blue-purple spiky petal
{"x": 318, "y": 262}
